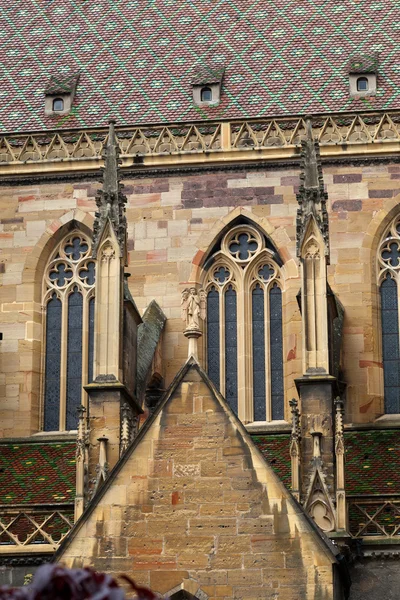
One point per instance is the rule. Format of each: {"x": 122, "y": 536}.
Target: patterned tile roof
{"x": 275, "y": 449}
{"x": 135, "y": 57}
{"x": 372, "y": 462}
{"x": 42, "y": 473}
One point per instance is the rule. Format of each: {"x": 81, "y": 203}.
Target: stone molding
{"x": 267, "y": 139}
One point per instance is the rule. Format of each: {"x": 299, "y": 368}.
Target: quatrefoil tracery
{"x": 242, "y": 243}
{"x": 71, "y": 263}
{"x": 389, "y": 251}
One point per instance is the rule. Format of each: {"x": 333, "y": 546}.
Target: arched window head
{"x": 68, "y": 300}
{"x": 362, "y": 84}
{"x": 389, "y": 281}
{"x": 206, "y": 94}
{"x": 58, "y": 104}
{"x": 244, "y": 338}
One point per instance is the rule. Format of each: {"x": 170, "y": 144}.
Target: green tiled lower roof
{"x": 372, "y": 462}
{"x": 275, "y": 449}
{"x": 37, "y": 473}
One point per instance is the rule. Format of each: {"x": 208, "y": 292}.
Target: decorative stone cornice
{"x": 266, "y": 140}
{"x": 110, "y": 200}
{"x": 311, "y": 196}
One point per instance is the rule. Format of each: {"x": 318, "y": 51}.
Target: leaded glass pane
{"x": 91, "y": 340}
{"x": 276, "y": 353}
{"x": 213, "y": 346}
{"x": 390, "y": 345}
{"x": 258, "y": 328}
{"x": 53, "y": 365}
{"x": 231, "y": 362}
{"x": 74, "y": 357}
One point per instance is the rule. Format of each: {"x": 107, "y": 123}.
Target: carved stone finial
{"x": 81, "y": 434}
{"x": 296, "y": 432}
{"x": 128, "y": 428}
{"x": 295, "y": 448}
{"x": 110, "y": 200}
{"x": 339, "y": 429}
{"x": 311, "y": 196}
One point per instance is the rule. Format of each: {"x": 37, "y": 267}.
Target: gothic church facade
{"x": 199, "y": 255}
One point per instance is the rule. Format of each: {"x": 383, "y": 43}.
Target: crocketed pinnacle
{"x": 110, "y": 200}
{"x": 311, "y": 196}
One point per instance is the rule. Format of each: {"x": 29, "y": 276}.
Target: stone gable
{"x": 192, "y": 505}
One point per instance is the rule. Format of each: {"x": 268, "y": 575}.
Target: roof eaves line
{"x": 205, "y": 122}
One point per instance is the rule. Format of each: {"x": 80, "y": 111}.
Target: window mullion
{"x": 85, "y": 347}
{"x": 267, "y": 321}
{"x": 222, "y": 340}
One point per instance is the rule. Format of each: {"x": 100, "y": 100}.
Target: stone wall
{"x": 193, "y": 504}
{"x": 375, "y": 579}
{"x": 172, "y": 223}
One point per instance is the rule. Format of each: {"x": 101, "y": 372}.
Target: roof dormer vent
{"x": 60, "y": 93}
{"x": 363, "y": 74}
{"x": 206, "y": 82}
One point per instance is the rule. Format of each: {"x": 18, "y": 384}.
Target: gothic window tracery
{"x": 244, "y": 342}
{"x": 68, "y": 302}
{"x": 389, "y": 282}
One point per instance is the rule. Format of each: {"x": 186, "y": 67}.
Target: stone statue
{"x": 193, "y": 306}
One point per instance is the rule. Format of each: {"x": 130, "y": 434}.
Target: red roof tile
{"x": 136, "y": 58}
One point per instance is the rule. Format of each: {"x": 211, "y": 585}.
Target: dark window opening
{"x": 206, "y": 94}
{"x": 58, "y": 104}
{"x": 362, "y": 84}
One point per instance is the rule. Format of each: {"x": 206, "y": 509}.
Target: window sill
{"x": 383, "y": 422}
{"x": 269, "y": 427}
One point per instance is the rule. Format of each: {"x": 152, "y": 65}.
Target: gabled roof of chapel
{"x": 136, "y": 58}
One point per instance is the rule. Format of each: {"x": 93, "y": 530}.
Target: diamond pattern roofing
{"x": 136, "y": 58}
{"x": 42, "y": 473}
{"x": 372, "y": 462}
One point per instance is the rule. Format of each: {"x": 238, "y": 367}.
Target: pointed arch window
{"x": 68, "y": 301}
{"x": 244, "y": 338}
{"x": 389, "y": 282}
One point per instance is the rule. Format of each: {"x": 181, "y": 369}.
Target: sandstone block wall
{"x": 172, "y": 221}
{"x": 194, "y": 505}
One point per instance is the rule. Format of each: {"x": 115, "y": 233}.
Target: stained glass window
{"x": 213, "y": 333}
{"x": 74, "y": 356}
{"x": 276, "y": 352}
{"x": 390, "y": 344}
{"x": 53, "y": 364}
{"x": 389, "y": 281}
{"x": 68, "y": 299}
{"x": 91, "y": 340}
{"x": 244, "y": 324}
{"x": 258, "y": 327}
{"x": 231, "y": 349}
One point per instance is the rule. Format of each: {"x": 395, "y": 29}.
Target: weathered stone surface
{"x": 189, "y": 520}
